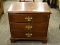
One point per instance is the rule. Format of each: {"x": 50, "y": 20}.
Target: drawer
{"x": 29, "y": 26}
{"x": 18, "y": 34}
{"x": 28, "y": 17}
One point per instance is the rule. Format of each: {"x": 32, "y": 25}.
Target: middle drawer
{"x": 29, "y": 26}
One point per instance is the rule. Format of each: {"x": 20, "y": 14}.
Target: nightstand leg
{"x": 44, "y": 41}
{"x": 13, "y": 40}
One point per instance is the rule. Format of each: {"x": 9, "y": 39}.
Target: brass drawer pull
{"x": 28, "y": 27}
{"x": 28, "y": 34}
{"x": 28, "y": 18}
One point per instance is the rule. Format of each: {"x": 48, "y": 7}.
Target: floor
{"x": 53, "y": 30}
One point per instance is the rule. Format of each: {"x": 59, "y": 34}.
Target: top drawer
{"x": 28, "y": 17}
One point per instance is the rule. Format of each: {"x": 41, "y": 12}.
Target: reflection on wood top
{"x": 29, "y": 7}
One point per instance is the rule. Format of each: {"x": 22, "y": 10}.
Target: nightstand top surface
{"x": 29, "y": 7}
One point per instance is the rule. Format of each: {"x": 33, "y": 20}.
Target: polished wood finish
{"x": 29, "y": 7}
{"x": 35, "y": 26}
{"x": 43, "y": 39}
{"x": 19, "y": 34}
{"x": 29, "y": 21}
{"x": 39, "y": 18}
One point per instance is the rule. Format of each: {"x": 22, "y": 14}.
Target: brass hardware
{"x": 28, "y": 34}
{"x": 28, "y": 18}
{"x": 28, "y": 27}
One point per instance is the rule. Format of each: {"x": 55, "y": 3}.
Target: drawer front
{"x": 18, "y": 34}
{"x": 28, "y": 17}
{"x": 29, "y": 26}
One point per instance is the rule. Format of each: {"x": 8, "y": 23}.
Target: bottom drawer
{"x": 18, "y": 34}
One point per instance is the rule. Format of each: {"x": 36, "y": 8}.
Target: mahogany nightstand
{"x": 29, "y": 21}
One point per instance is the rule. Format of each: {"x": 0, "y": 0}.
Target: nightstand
{"x": 29, "y": 21}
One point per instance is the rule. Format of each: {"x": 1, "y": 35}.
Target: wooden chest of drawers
{"x": 29, "y": 21}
